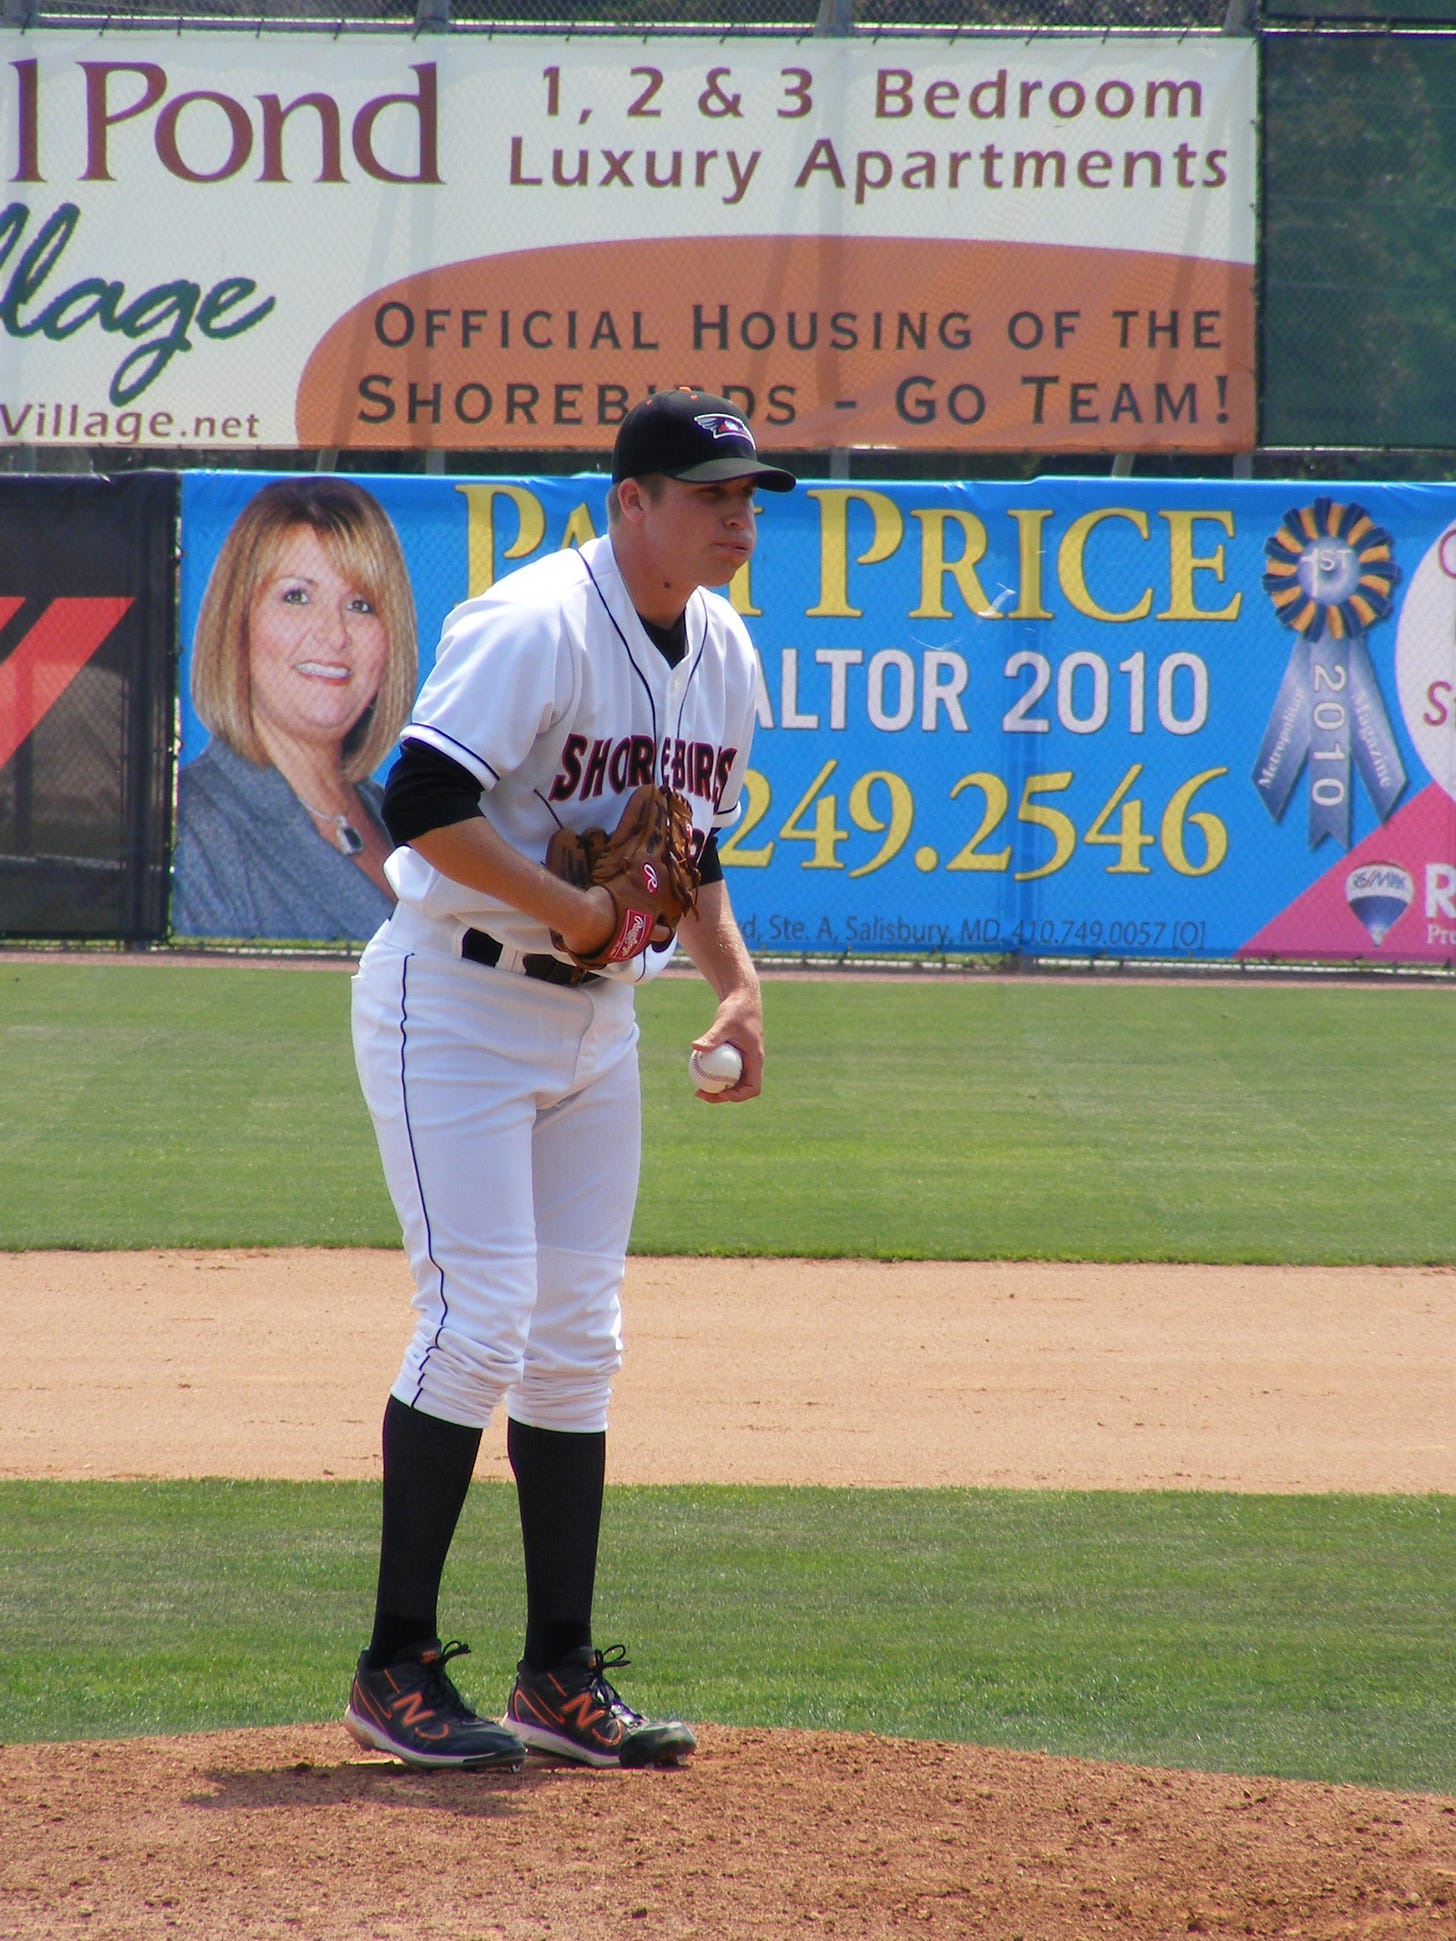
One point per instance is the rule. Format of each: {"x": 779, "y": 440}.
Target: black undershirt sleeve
{"x": 426, "y": 790}
{"x": 709, "y": 867}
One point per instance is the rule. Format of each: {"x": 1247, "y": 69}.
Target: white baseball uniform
{"x": 507, "y": 1108}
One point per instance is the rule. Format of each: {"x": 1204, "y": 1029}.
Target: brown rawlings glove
{"x": 646, "y": 866}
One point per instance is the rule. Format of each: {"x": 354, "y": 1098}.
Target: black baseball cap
{"x": 694, "y": 436}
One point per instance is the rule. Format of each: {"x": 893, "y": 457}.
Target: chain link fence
{"x": 86, "y": 705}
{"x": 1357, "y": 381}
{"x": 689, "y": 16}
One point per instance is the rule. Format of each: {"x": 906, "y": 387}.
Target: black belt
{"x": 481, "y": 949}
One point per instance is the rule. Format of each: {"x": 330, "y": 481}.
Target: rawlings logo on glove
{"x": 646, "y": 866}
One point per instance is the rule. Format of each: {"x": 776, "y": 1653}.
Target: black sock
{"x": 560, "y": 1477}
{"x": 428, "y": 1465}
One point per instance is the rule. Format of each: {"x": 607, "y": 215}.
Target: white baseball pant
{"x": 508, "y": 1115}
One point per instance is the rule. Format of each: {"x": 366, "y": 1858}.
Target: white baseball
{"x": 716, "y": 1070}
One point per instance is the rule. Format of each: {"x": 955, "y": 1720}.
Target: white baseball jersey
{"x": 549, "y": 691}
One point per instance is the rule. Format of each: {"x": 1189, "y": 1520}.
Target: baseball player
{"x": 496, "y": 1043}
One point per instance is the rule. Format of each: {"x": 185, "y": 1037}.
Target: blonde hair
{"x": 363, "y": 547}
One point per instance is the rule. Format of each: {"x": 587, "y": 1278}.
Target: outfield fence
{"x": 1113, "y": 343}
{"x": 1083, "y": 719}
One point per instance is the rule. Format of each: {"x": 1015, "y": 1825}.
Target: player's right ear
{"x": 631, "y": 499}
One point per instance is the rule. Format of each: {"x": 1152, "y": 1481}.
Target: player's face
{"x": 316, "y": 645}
{"x": 703, "y": 534}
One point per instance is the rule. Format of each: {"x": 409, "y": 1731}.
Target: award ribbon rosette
{"x": 1330, "y": 574}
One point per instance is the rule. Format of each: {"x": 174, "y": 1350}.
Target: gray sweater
{"x": 249, "y": 860}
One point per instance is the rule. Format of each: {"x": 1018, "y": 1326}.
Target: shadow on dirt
{"x": 304, "y": 1787}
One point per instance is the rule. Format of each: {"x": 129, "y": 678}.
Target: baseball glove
{"x": 646, "y": 866}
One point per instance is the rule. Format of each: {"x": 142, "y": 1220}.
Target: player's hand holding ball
{"x": 716, "y": 1070}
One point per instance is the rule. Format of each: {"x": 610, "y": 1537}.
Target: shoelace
{"x": 613, "y": 1658}
{"x": 440, "y": 1689}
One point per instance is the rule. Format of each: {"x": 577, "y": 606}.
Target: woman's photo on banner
{"x": 304, "y": 664}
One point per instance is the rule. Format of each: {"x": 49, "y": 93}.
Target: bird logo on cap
{"x": 719, "y": 424}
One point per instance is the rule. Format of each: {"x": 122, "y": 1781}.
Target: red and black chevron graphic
{"x": 48, "y": 657}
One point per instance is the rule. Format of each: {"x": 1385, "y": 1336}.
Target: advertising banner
{"x": 87, "y": 624}
{"x": 242, "y": 240}
{"x": 1070, "y": 718}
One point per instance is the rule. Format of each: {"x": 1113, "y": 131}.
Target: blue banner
{"x": 1068, "y": 718}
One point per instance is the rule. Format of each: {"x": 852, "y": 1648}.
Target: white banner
{"x": 240, "y": 240}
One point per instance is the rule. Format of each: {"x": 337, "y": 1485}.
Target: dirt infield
{"x": 1040, "y": 1376}
{"x": 1027, "y": 1375}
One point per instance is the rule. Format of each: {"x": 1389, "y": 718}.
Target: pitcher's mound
{"x": 764, "y": 1834}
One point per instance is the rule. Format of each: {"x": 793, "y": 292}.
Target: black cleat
{"x": 574, "y": 1713}
{"x": 412, "y": 1709}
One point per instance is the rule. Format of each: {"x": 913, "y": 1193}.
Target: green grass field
{"x": 975, "y": 1117}
{"x": 1308, "y": 1637}
{"x": 969, "y": 1119}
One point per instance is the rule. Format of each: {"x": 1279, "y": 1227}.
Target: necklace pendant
{"x": 345, "y": 837}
